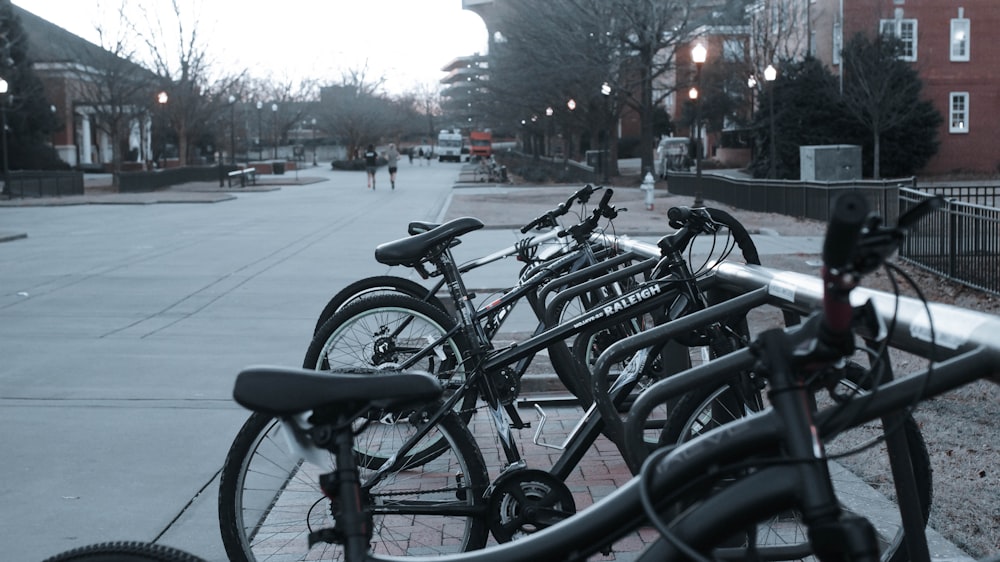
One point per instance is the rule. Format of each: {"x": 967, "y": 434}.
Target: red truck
{"x": 481, "y": 144}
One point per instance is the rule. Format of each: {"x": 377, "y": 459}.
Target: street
{"x": 122, "y": 328}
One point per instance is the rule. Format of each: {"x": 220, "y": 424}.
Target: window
{"x": 838, "y": 42}
{"x": 733, "y": 50}
{"x": 958, "y": 113}
{"x": 906, "y": 31}
{"x": 960, "y": 39}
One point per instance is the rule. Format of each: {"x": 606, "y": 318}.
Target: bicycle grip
{"x": 679, "y": 213}
{"x": 529, "y": 226}
{"x": 849, "y": 213}
{"x": 605, "y": 198}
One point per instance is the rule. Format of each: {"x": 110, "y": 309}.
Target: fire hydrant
{"x": 647, "y": 186}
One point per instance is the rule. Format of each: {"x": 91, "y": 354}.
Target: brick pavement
{"x": 599, "y": 473}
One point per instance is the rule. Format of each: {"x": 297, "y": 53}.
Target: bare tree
{"x": 881, "y": 91}
{"x": 178, "y": 54}
{"x": 603, "y": 54}
{"x": 356, "y": 110}
{"x": 115, "y": 90}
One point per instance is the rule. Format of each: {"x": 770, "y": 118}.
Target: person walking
{"x": 392, "y": 156}
{"x": 371, "y": 162}
{"x": 420, "y": 155}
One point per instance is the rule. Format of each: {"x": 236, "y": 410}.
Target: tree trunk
{"x": 646, "y": 114}
{"x": 182, "y": 144}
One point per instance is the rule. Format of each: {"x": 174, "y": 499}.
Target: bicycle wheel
{"x": 704, "y": 409}
{"x": 270, "y": 500}
{"x": 388, "y": 332}
{"x": 125, "y": 551}
{"x": 370, "y": 286}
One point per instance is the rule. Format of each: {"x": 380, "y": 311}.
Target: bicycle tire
{"x": 370, "y": 286}
{"x": 269, "y": 498}
{"x": 125, "y": 551}
{"x": 704, "y": 409}
{"x": 366, "y": 335}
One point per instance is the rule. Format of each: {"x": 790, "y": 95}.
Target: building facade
{"x": 954, "y": 47}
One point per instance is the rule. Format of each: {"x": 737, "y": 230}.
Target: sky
{"x": 406, "y": 41}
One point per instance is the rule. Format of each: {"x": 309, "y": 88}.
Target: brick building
{"x": 954, "y": 47}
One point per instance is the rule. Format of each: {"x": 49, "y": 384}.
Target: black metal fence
{"x": 794, "y": 198}
{"x": 960, "y": 241}
{"x": 43, "y": 184}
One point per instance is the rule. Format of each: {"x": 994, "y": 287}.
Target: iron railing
{"x": 788, "y": 197}
{"x": 960, "y": 241}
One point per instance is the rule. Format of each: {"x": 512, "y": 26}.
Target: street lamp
{"x": 770, "y": 73}
{"x": 549, "y": 131}
{"x": 232, "y": 130}
{"x": 162, "y": 98}
{"x": 260, "y": 137}
{"x": 274, "y": 126}
{"x": 698, "y": 54}
{"x": 606, "y": 149}
{"x": 314, "y": 140}
{"x": 4, "y": 87}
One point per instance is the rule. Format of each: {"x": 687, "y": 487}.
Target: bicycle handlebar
{"x": 549, "y": 217}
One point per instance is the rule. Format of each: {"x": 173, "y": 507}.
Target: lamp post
{"x": 274, "y": 126}
{"x": 770, "y": 73}
{"x": 162, "y": 98}
{"x": 698, "y": 54}
{"x": 605, "y": 156}
{"x": 4, "y": 87}
{"x": 549, "y": 130}
{"x": 314, "y": 141}
{"x": 751, "y": 85}
{"x": 232, "y": 130}
{"x": 260, "y": 137}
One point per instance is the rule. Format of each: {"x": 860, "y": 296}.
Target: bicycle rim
{"x": 270, "y": 499}
{"x": 388, "y": 333}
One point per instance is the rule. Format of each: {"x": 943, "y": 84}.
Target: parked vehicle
{"x": 481, "y": 144}
{"x": 450, "y": 145}
{"x": 672, "y": 154}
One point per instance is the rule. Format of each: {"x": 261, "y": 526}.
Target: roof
{"x": 49, "y": 43}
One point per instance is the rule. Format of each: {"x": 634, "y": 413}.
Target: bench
{"x": 243, "y": 174}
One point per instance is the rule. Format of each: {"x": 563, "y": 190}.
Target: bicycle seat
{"x": 410, "y": 251}
{"x": 286, "y": 391}
{"x": 419, "y": 227}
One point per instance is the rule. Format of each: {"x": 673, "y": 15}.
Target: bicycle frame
{"x": 650, "y": 296}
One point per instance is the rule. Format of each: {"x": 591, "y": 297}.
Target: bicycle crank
{"x": 525, "y": 501}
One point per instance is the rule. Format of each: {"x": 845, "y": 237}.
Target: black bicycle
{"x": 549, "y": 243}
{"x": 404, "y": 443}
{"x": 718, "y": 494}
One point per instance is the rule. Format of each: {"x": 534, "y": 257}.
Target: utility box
{"x": 832, "y": 162}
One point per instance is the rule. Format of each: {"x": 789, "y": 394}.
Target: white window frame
{"x": 895, "y": 28}
{"x": 960, "y": 39}
{"x": 958, "y": 118}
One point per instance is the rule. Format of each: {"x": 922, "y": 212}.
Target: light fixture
{"x": 699, "y": 53}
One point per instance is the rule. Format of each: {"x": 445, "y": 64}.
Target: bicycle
{"x": 719, "y": 485}
{"x": 403, "y": 438}
{"x": 532, "y": 251}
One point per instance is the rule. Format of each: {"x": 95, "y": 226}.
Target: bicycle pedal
{"x": 328, "y": 536}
